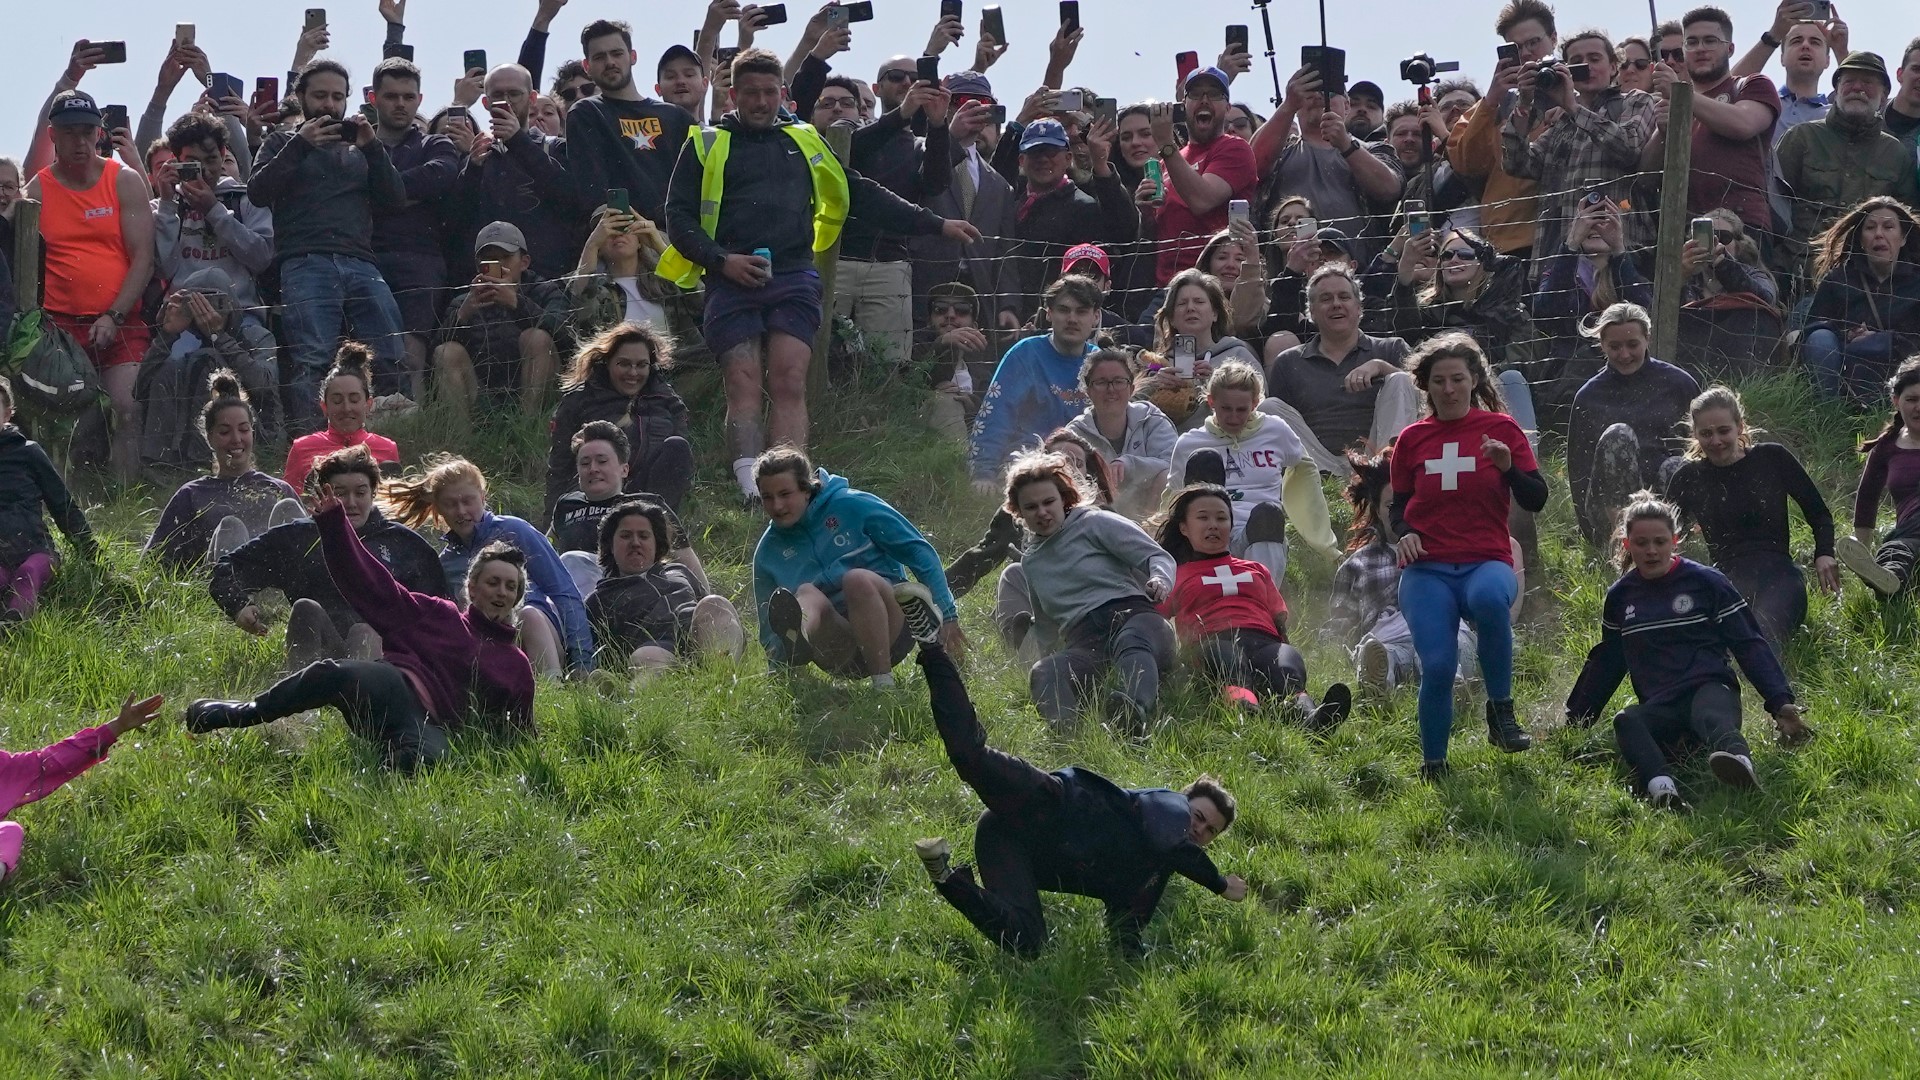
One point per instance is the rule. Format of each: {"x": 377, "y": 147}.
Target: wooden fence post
{"x": 1674, "y": 222}
{"x": 25, "y": 256}
{"x": 840, "y": 141}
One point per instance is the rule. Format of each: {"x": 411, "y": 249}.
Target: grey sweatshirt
{"x": 1095, "y": 558}
{"x": 235, "y": 237}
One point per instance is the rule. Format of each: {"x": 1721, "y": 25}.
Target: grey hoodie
{"x": 173, "y": 389}
{"x": 1094, "y": 558}
{"x": 235, "y": 237}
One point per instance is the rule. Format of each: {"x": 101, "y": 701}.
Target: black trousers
{"x": 1775, "y": 589}
{"x": 668, "y": 473}
{"x": 375, "y": 699}
{"x": 1707, "y": 719}
{"x": 1900, "y": 550}
{"x": 1260, "y": 662}
{"x": 1022, "y": 802}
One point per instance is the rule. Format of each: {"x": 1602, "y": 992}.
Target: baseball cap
{"x": 1367, "y": 89}
{"x": 678, "y": 52}
{"x": 1092, "y": 253}
{"x": 73, "y": 108}
{"x": 1043, "y": 133}
{"x": 969, "y": 84}
{"x": 1330, "y": 235}
{"x": 953, "y": 292}
{"x": 1868, "y": 62}
{"x": 1213, "y": 73}
{"x": 501, "y": 234}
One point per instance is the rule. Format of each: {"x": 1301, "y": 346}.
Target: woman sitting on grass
{"x": 1893, "y": 468}
{"x": 649, "y": 611}
{"x": 29, "y": 488}
{"x": 32, "y": 775}
{"x": 452, "y": 493}
{"x": 1230, "y": 614}
{"x": 1669, "y": 624}
{"x": 1093, "y": 578}
{"x": 621, "y": 377}
{"x": 322, "y": 623}
{"x": 1737, "y": 494}
{"x": 830, "y": 575}
{"x": 1456, "y": 474}
{"x": 442, "y": 666}
{"x": 600, "y": 472}
{"x": 1865, "y": 313}
{"x": 346, "y": 396}
{"x": 213, "y": 515}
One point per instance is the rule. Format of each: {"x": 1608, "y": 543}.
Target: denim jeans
{"x": 1433, "y": 599}
{"x": 319, "y": 296}
{"x": 1848, "y": 369}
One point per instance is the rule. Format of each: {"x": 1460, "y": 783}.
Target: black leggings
{"x": 1708, "y": 718}
{"x": 1775, "y": 589}
{"x": 1021, "y": 800}
{"x": 1260, "y": 662}
{"x": 375, "y": 698}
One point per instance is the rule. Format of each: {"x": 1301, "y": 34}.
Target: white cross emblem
{"x": 1228, "y": 581}
{"x": 1450, "y": 465}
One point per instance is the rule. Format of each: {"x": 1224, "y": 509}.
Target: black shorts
{"x": 789, "y": 304}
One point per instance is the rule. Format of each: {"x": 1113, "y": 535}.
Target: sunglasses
{"x": 895, "y": 75}
{"x": 1675, "y": 55}
{"x": 1637, "y": 65}
{"x": 571, "y": 94}
{"x": 1459, "y": 255}
{"x": 952, "y": 309}
{"x": 1722, "y": 237}
{"x": 965, "y": 100}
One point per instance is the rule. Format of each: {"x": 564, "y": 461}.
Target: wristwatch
{"x": 1767, "y": 39}
{"x": 1352, "y": 145}
{"x": 117, "y": 317}
{"x": 1168, "y": 150}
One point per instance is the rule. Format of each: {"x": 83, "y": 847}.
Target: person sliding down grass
{"x": 443, "y": 666}
{"x": 1893, "y": 469}
{"x": 830, "y": 575}
{"x": 33, "y": 775}
{"x": 1230, "y": 614}
{"x": 1668, "y": 624}
{"x": 1070, "y": 831}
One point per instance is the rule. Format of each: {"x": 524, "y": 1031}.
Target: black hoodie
{"x": 288, "y": 558}
{"x": 28, "y": 483}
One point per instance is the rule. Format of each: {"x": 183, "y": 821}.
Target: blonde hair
{"x": 1620, "y": 314}
{"x": 410, "y": 499}
{"x": 1716, "y": 397}
{"x": 1237, "y": 375}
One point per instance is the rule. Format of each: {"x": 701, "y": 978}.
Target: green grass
{"x": 716, "y": 880}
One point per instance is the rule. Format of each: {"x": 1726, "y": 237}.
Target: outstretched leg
{"x": 1004, "y": 782}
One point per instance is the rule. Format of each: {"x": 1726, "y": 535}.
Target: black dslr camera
{"x": 1421, "y": 69}
{"x": 1546, "y": 78}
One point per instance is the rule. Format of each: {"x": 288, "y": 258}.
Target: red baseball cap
{"x": 1092, "y": 253}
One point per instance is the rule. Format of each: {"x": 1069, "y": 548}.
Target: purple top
{"x": 461, "y": 659}
{"x": 1894, "y": 470}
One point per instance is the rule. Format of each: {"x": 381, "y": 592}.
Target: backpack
{"x": 48, "y": 367}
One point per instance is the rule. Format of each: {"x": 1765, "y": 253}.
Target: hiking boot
{"x": 1433, "y": 772}
{"x": 1858, "y": 558}
{"x": 916, "y": 605}
{"x": 1733, "y": 770}
{"x": 1503, "y": 730}
{"x": 785, "y": 619}
{"x": 1129, "y": 718}
{"x": 936, "y": 855}
{"x": 1334, "y": 707}
{"x": 207, "y": 715}
{"x": 1376, "y": 666}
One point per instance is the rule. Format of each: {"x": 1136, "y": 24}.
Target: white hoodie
{"x": 1259, "y": 460}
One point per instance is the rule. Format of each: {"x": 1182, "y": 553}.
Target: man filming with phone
{"x": 323, "y": 181}
{"x": 1591, "y": 133}
{"x": 409, "y": 244}
{"x": 1211, "y": 170}
{"x": 519, "y": 175}
{"x": 209, "y": 223}
{"x": 1508, "y": 207}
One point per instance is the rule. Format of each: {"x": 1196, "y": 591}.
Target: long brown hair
{"x": 1457, "y": 346}
{"x": 603, "y": 345}
{"x": 1163, "y": 331}
{"x": 1842, "y": 238}
{"x": 1908, "y": 374}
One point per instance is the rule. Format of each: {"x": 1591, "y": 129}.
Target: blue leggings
{"x": 1433, "y": 598}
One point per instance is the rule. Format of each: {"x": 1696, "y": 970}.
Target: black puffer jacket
{"x": 288, "y": 558}
{"x": 648, "y": 418}
{"x": 30, "y": 484}
{"x": 652, "y": 607}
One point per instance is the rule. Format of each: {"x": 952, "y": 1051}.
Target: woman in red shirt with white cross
{"x": 1456, "y": 472}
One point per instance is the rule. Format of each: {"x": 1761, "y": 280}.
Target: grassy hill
{"x": 715, "y": 879}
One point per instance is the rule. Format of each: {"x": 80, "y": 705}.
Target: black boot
{"x": 207, "y": 715}
{"x": 1001, "y": 543}
{"x": 1334, "y": 707}
{"x": 1503, "y": 730}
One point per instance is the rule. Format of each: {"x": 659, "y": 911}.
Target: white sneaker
{"x": 916, "y": 603}
{"x": 936, "y": 855}
{"x": 1733, "y": 770}
{"x": 388, "y": 405}
{"x": 1664, "y": 794}
{"x": 1859, "y": 558}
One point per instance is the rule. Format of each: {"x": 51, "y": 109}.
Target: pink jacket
{"x": 35, "y": 774}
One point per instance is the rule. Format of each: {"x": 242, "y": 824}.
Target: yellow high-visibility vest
{"x": 830, "y": 195}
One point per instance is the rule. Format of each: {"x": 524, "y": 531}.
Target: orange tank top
{"x": 87, "y": 258}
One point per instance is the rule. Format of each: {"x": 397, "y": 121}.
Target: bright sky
{"x": 1128, "y": 51}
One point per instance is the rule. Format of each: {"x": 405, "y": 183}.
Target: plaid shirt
{"x": 1584, "y": 144}
{"x": 1365, "y": 587}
